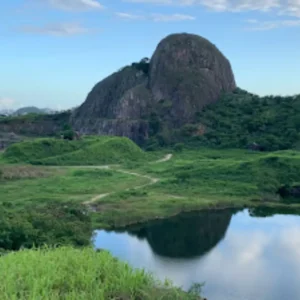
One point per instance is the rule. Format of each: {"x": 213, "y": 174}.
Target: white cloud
{"x": 156, "y": 17}
{"x": 74, "y": 5}
{"x": 268, "y": 25}
{"x": 293, "y": 8}
{"x": 60, "y": 29}
{"x": 129, "y": 16}
{"x": 289, "y": 7}
{"x": 276, "y": 9}
{"x": 171, "y": 18}
{"x": 151, "y": 1}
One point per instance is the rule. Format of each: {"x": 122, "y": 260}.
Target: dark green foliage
{"x": 68, "y": 134}
{"x": 143, "y": 65}
{"x": 178, "y": 147}
{"x": 55, "y": 224}
{"x": 35, "y": 125}
{"x": 241, "y": 120}
{"x": 62, "y": 118}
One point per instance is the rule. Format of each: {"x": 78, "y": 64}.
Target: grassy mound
{"x": 68, "y": 273}
{"x": 87, "y": 151}
{"x": 109, "y": 151}
{"x": 39, "y": 149}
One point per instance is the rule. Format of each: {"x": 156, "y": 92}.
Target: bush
{"x": 68, "y": 134}
{"x": 52, "y": 225}
{"x": 178, "y": 147}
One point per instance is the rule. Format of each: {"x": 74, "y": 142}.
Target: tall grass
{"x": 68, "y": 273}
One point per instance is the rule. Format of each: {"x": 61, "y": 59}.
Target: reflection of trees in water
{"x": 264, "y": 211}
{"x": 187, "y": 235}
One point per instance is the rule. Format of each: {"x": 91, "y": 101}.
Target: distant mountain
{"x": 31, "y": 109}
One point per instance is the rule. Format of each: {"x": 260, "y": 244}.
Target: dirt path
{"x": 152, "y": 180}
{"x": 166, "y": 158}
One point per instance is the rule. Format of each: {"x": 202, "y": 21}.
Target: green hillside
{"x": 39, "y": 149}
{"x": 68, "y": 273}
{"x": 109, "y": 151}
{"x": 87, "y": 151}
{"x": 237, "y": 120}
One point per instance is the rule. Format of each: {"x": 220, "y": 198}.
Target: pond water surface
{"x": 239, "y": 257}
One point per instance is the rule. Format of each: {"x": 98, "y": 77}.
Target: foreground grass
{"x": 68, "y": 273}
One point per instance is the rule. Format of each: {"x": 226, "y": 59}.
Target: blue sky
{"x": 54, "y": 51}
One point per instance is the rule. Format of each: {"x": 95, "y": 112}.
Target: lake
{"x": 238, "y": 255}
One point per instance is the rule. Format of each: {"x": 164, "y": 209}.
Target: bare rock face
{"x": 191, "y": 72}
{"x": 114, "y": 106}
{"x": 186, "y": 71}
{"x": 108, "y": 98}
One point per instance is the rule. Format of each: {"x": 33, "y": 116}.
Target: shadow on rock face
{"x": 188, "y": 235}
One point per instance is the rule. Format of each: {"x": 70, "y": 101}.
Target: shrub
{"x": 52, "y": 225}
{"x": 178, "y": 147}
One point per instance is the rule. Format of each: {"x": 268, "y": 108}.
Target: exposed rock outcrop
{"x": 191, "y": 72}
{"x": 115, "y": 106}
{"x": 186, "y": 70}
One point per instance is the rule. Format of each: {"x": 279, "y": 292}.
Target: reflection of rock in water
{"x": 187, "y": 235}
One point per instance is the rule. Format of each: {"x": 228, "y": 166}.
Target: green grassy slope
{"x": 205, "y": 178}
{"x": 111, "y": 151}
{"x": 39, "y": 149}
{"x": 39, "y": 186}
{"x": 87, "y": 151}
{"x": 68, "y": 273}
{"x": 231, "y": 174}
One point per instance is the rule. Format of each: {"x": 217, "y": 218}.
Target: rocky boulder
{"x": 191, "y": 72}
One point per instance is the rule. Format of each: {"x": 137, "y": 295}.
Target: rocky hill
{"x": 185, "y": 94}
{"x": 185, "y": 73}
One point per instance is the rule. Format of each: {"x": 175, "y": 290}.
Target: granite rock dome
{"x": 185, "y": 70}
